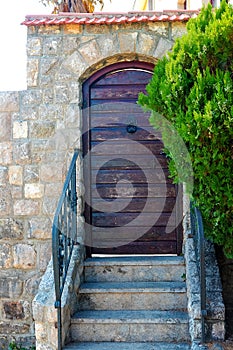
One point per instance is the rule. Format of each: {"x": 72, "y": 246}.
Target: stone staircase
{"x": 129, "y": 303}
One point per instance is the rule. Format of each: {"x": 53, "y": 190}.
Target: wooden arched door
{"x": 129, "y": 197}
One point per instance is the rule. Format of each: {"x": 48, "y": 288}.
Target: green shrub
{"x": 193, "y": 88}
{"x": 14, "y": 346}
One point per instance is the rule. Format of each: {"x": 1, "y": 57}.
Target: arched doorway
{"x": 129, "y": 197}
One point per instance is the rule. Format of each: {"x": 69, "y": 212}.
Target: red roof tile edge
{"x": 109, "y": 17}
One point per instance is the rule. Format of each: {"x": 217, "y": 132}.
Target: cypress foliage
{"x": 192, "y": 87}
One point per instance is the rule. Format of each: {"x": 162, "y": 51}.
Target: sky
{"x": 13, "y": 38}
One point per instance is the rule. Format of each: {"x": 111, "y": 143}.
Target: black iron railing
{"x": 199, "y": 241}
{"x": 64, "y": 237}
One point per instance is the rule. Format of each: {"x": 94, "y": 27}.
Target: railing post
{"x": 64, "y": 236}
{"x": 74, "y": 204}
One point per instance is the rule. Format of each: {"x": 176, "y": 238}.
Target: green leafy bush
{"x": 193, "y": 88}
{"x": 14, "y": 346}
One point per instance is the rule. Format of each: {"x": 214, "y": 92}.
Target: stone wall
{"x": 215, "y": 317}
{"x": 40, "y": 128}
{"x": 44, "y": 313}
{"x": 34, "y": 155}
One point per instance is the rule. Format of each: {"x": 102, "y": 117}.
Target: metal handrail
{"x": 64, "y": 237}
{"x": 197, "y": 231}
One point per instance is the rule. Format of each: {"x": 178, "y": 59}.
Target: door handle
{"x": 131, "y": 129}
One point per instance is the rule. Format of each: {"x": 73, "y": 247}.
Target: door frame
{"x": 86, "y": 135}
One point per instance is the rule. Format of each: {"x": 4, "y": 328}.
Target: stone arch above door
{"x": 118, "y": 58}
{"x": 90, "y": 50}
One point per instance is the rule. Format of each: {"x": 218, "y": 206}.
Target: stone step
{"x": 133, "y": 296}
{"x": 126, "y": 346}
{"x": 130, "y": 326}
{"x": 135, "y": 268}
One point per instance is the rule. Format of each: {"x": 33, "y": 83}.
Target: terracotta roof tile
{"x": 109, "y": 18}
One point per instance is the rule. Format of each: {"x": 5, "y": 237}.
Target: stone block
{"x": 48, "y": 70}
{"x": 5, "y": 127}
{"x": 24, "y": 256}
{"x": 31, "y": 174}
{"x": 160, "y": 28}
{"x": 215, "y": 307}
{"x": 26, "y": 207}
{"x": 5, "y": 202}
{"x": 128, "y": 27}
{"x": 16, "y": 192}
{"x": 72, "y": 116}
{"x": 42, "y": 130}
{"x": 27, "y": 341}
{"x": 52, "y": 335}
{"x": 10, "y": 288}
{"x": 109, "y": 45}
{"x": 32, "y": 30}
{"x": 103, "y": 29}
{"x": 20, "y": 130}
{"x": 72, "y": 42}
{"x": 31, "y": 285}
{"x": 40, "y": 346}
{"x": 15, "y": 173}
{"x": 6, "y": 257}
{"x": 51, "y": 172}
{"x": 32, "y": 72}
{"x": 54, "y": 156}
{"x": 9, "y": 101}
{"x": 31, "y": 97}
{"x": 14, "y": 310}
{"x": 178, "y": 30}
{"x": 3, "y": 342}
{"x": 51, "y": 315}
{"x": 11, "y": 228}
{"x": 44, "y": 252}
{"x": 22, "y": 152}
{"x": 13, "y": 328}
{"x": 5, "y": 153}
{"x": 218, "y": 331}
{"x": 74, "y": 63}
{"x": 34, "y": 47}
{"x": 50, "y": 112}
{"x": 53, "y": 189}
{"x": 47, "y": 29}
{"x": 39, "y": 228}
{"x": 41, "y": 332}
{"x": 62, "y": 93}
{"x": 72, "y": 29}
{"x": 48, "y": 95}
{"x": 127, "y": 42}
{"x": 90, "y": 52}
{"x": 164, "y": 45}
{"x": 3, "y": 176}
{"x": 38, "y": 311}
{"x": 34, "y": 190}
{"x": 39, "y": 148}
{"x": 29, "y": 112}
{"x": 146, "y": 44}
{"x": 52, "y": 46}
